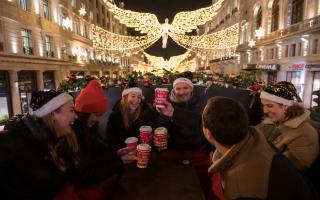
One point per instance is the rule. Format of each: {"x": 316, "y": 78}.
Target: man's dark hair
{"x": 226, "y": 119}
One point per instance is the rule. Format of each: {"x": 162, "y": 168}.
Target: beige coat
{"x": 296, "y": 138}
{"x": 245, "y": 168}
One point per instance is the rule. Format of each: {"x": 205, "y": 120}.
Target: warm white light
{"x": 40, "y": 46}
{"x": 82, "y": 10}
{"x": 67, "y": 23}
{"x": 259, "y": 33}
{"x": 14, "y": 45}
{"x": 36, "y": 6}
{"x": 252, "y": 43}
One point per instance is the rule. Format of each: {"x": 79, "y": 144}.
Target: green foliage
{"x": 68, "y": 85}
{"x": 4, "y": 118}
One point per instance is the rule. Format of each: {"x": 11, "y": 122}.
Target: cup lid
{"x": 163, "y": 89}
{"x": 144, "y": 147}
{"x": 160, "y": 130}
{"x": 131, "y": 140}
{"x": 145, "y": 128}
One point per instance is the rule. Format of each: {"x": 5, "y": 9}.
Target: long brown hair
{"x": 127, "y": 117}
{"x": 53, "y": 144}
{"x": 293, "y": 111}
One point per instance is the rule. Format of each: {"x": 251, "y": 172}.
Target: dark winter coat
{"x": 117, "y": 133}
{"x": 252, "y": 169}
{"x": 97, "y": 160}
{"x": 26, "y": 168}
{"x": 185, "y": 126}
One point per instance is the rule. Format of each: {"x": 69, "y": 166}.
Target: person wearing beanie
{"x": 39, "y": 151}
{"x": 128, "y": 115}
{"x": 99, "y": 164}
{"x": 287, "y": 124}
{"x": 249, "y": 167}
{"x": 182, "y": 116}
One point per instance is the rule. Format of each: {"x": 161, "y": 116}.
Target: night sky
{"x": 163, "y": 9}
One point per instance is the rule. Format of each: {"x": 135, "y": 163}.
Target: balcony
{"x": 304, "y": 26}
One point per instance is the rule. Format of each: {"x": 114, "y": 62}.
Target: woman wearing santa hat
{"x": 99, "y": 165}
{"x": 287, "y": 125}
{"x": 37, "y": 152}
{"x": 128, "y": 115}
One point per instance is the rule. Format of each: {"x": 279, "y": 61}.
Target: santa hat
{"x": 283, "y": 92}
{"x": 92, "y": 99}
{"x": 133, "y": 89}
{"x": 43, "y": 103}
{"x": 183, "y": 80}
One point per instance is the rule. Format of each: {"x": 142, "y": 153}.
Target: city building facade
{"x": 43, "y": 41}
{"x": 278, "y": 37}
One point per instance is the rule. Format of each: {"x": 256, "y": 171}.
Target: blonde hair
{"x": 71, "y": 139}
{"x": 127, "y": 117}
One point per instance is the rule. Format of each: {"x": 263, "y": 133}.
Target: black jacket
{"x": 26, "y": 168}
{"x": 97, "y": 161}
{"x": 117, "y": 133}
{"x": 185, "y": 126}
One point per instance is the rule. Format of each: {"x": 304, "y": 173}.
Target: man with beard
{"x": 182, "y": 116}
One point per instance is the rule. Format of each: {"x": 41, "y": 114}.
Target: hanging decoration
{"x": 174, "y": 61}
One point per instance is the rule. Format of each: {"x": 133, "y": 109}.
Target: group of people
{"x": 58, "y": 153}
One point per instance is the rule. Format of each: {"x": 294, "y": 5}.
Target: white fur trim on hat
{"x": 275, "y": 98}
{"x": 133, "y": 89}
{"x": 183, "y": 80}
{"x": 53, "y": 104}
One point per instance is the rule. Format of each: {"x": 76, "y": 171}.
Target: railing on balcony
{"x": 303, "y": 26}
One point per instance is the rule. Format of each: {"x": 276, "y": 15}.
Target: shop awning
{"x": 314, "y": 65}
{"x": 268, "y": 67}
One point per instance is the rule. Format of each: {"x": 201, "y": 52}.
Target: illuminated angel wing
{"x": 145, "y": 23}
{"x": 185, "y": 22}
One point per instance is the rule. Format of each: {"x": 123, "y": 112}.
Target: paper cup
{"x": 161, "y": 95}
{"x": 131, "y": 142}
{"x": 143, "y": 155}
{"x": 160, "y": 138}
{"x": 145, "y": 134}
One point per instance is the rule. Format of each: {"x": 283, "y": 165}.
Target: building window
{"x": 65, "y": 48}
{"x": 48, "y": 80}
{"x": 295, "y": 77}
{"x": 315, "y": 87}
{"x": 27, "y": 41}
{"x": 297, "y": 11}
{"x": 74, "y": 4}
{"x": 315, "y": 46}
{"x": 299, "y": 48}
{"x": 49, "y": 47}
{"x": 86, "y": 31}
{"x": 1, "y": 37}
{"x": 293, "y": 50}
{"x": 272, "y": 53}
{"x": 27, "y": 83}
{"x": 24, "y": 5}
{"x": 275, "y": 16}
{"x": 259, "y": 18}
{"x": 76, "y": 26}
{"x": 46, "y": 9}
{"x": 5, "y": 98}
{"x": 286, "y": 51}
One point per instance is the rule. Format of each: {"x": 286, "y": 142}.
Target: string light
{"x": 105, "y": 40}
{"x": 160, "y": 62}
{"x": 82, "y": 10}
{"x": 224, "y": 41}
{"x": 147, "y": 23}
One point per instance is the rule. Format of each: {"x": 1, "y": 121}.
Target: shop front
{"x": 49, "y": 81}
{"x": 5, "y": 97}
{"x": 27, "y": 82}
{"x": 295, "y": 74}
{"x": 314, "y": 68}
{"x": 269, "y": 71}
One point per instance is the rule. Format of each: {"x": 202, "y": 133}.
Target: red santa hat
{"x": 92, "y": 99}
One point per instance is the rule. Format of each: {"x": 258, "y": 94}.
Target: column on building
{"x": 13, "y": 77}
{"x": 40, "y": 82}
